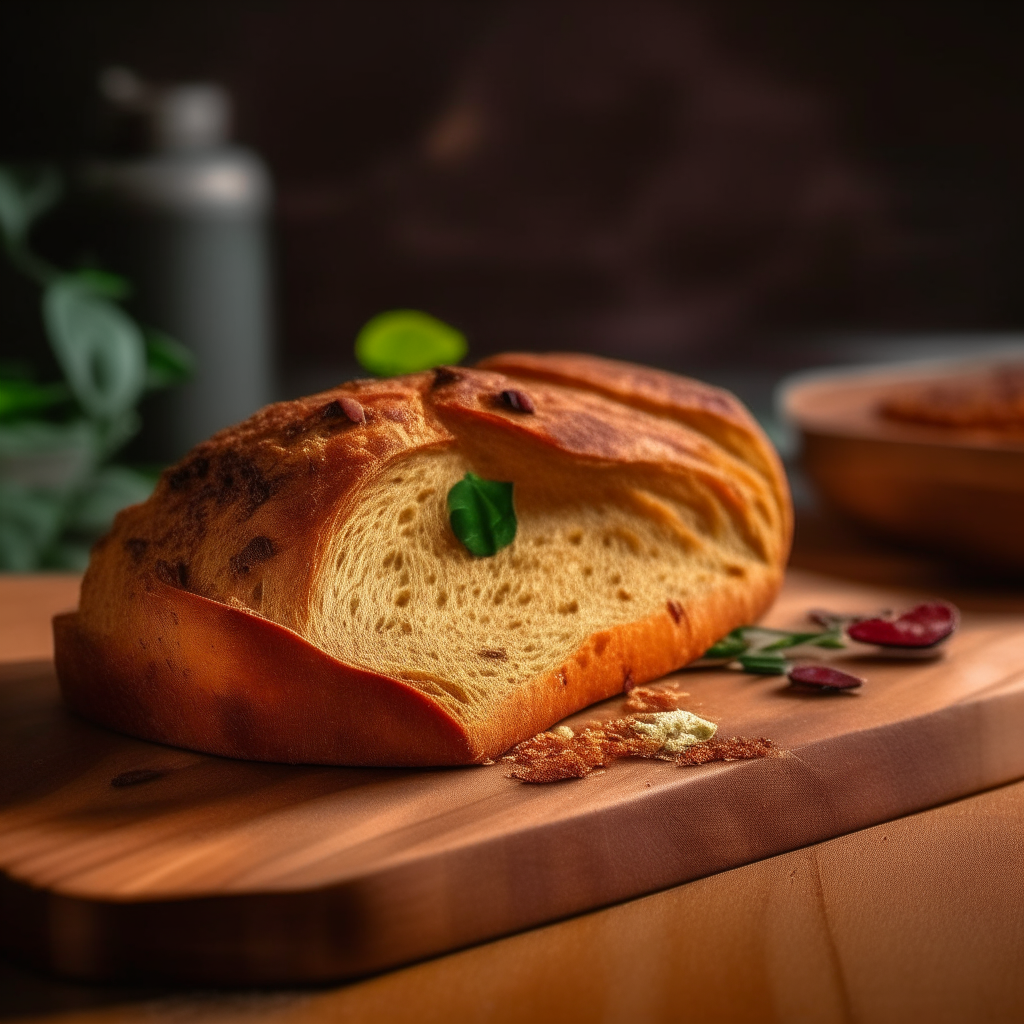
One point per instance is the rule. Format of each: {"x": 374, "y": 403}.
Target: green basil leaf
{"x": 99, "y": 347}
{"x": 168, "y": 362}
{"x": 764, "y": 664}
{"x": 482, "y": 515}
{"x": 407, "y": 341}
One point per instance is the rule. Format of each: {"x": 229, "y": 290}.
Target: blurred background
{"x": 734, "y": 190}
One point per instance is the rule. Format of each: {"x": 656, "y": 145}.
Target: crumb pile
{"x": 655, "y": 726}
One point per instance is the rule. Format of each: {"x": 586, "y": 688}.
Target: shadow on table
{"x": 827, "y": 544}
{"x": 26, "y": 993}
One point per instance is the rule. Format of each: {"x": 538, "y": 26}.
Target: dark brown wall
{"x": 641, "y": 177}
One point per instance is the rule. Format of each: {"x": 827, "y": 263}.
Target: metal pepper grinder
{"x": 184, "y": 215}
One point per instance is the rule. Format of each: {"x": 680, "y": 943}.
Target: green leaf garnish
{"x": 482, "y": 515}
{"x": 407, "y": 341}
{"x": 764, "y": 664}
{"x": 756, "y": 640}
{"x": 755, "y": 648}
{"x": 833, "y": 640}
{"x": 729, "y": 646}
{"x": 791, "y": 640}
{"x": 99, "y": 347}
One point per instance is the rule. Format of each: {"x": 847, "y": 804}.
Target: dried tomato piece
{"x": 923, "y": 626}
{"x": 823, "y": 677}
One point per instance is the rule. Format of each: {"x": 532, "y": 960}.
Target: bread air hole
{"x": 595, "y": 549}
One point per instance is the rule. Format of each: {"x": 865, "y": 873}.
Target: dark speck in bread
{"x": 259, "y": 549}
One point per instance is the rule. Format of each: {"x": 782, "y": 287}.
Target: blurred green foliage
{"x": 59, "y": 488}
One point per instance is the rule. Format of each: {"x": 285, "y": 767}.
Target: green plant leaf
{"x": 407, "y": 341}
{"x": 763, "y": 664}
{"x": 67, "y": 556}
{"x": 110, "y": 490}
{"x": 168, "y": 362}
{"x": 30, "y": 521}
{"x": 25, "y": 194}
{"x": 100, "y": 348}
{"x": 103, "y": 283}
{"x": 482, "y": 515}
{"x": 16, "y": 369}
{"x": 53, "y": 457}
{"x": 23, "y": 398}
{"x": 116, "y": 433}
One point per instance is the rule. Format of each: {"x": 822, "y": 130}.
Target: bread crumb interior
{"x": 596, "y": 547}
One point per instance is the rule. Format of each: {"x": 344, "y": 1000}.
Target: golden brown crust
{"x": 614, "y": 659}
{"x": 165, "y": 646}
{"x": 713, "y": 412}
{"x": 200, "y": 674}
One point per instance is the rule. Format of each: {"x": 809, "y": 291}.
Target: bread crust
{"x": 164, "y": 645}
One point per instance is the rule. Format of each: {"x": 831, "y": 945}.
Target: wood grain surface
{"x": 920, "y": 919}
{"x": 231, "y": 872}
{"x": 28, "y": 602}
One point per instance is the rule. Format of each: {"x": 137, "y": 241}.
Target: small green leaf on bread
{"x": 482, "y": 515}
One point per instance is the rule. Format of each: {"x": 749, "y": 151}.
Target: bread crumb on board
{"x": 655, "y": 727}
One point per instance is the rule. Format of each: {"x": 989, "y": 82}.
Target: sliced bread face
{"x": 652, "y": 518}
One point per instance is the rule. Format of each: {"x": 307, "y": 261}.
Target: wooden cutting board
{"x": 217, "y": 871}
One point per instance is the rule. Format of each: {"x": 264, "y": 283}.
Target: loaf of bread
{"x": 293, "y": 590}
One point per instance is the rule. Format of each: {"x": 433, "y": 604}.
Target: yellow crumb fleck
{"x": 674, "y": 730}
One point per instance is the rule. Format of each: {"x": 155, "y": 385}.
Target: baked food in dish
{"x": 293, "y": 590}
{"x": 989, "y": 399}
{"x": 929, "y": 453}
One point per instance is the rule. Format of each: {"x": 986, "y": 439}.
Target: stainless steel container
{"x": 185, "y": 216}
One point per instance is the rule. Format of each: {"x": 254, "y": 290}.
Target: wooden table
{"x": 917, "y": 919}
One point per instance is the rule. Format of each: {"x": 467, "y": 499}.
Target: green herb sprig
{"x": 755, "y": 649}
{"x": 763, "y": 664}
